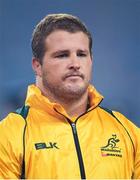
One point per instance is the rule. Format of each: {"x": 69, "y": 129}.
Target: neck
{"x": 76, "y": 107}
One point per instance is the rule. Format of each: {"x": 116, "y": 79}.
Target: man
{"x": 62, "y": 132}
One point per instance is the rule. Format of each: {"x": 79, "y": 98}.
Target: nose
{"x": 74, "y": 63}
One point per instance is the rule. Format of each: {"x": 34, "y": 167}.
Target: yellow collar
{"x": 36, "y": 100}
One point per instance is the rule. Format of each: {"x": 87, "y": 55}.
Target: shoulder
{"x": 120, "y": 118}
{"x": 129, "y": 125}
{"x": 12, "y": 118}
{"x": 12, "y": 126}
{"x": 125, "y": 121}
{"x": 15, "y": 119}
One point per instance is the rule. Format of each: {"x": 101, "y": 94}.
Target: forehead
{"x": 64, "y": 40}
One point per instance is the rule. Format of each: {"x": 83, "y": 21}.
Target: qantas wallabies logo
{"x": 112, "y": 142}
{"x": 111, "y": 148}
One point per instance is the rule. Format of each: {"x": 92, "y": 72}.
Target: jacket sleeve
{"x": 134, "y": 131}
{"x": 11, "y": 147}
{"x": 137, "y": 157}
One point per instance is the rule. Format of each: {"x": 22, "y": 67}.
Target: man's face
{"x": 66, "y": 65}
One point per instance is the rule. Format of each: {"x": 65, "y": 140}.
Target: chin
{"x": 76, "y": 88}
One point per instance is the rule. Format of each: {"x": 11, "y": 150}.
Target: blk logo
{"x": 48, "y": 145}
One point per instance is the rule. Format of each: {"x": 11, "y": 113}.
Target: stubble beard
{"x": 65, "y": 92}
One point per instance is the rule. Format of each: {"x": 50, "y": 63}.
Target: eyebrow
{"x": 83, "y": 50}
{"x": 67, "y": 51}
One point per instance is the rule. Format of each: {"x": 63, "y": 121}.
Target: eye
{"x": 61, "y": 55}
{"x": 81, "y": 54}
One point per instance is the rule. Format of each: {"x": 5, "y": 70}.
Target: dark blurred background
{"x": 115, "y": 26}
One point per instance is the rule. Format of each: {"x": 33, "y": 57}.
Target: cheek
{"x": 52, "y": 74}
{"x": 88, "y": 68}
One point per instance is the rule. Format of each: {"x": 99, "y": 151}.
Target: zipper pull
{"x": 74, "y": 128}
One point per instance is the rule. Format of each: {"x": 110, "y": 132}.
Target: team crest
{"x": 111, "y": 148}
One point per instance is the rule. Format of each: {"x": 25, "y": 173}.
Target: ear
{"x": 36, "y": 67}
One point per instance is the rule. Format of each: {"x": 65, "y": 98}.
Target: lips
{"x": 74, "y": 75}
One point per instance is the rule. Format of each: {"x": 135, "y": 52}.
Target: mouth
{"x": 74, "y": 76}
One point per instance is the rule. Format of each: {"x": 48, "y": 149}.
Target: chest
{"x": 63, "y": 150}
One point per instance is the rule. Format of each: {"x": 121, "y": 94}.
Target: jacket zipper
{"x": 77, "y": 145}
{"x": 76, "y": 140}
{"x": 78, "y": 150}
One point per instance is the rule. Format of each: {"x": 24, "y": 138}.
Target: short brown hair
{"x": 51, "y": 23}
